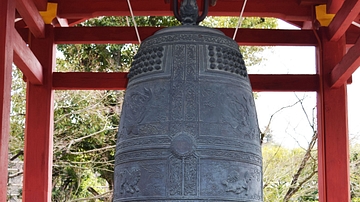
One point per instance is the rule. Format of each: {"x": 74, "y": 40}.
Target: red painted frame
{"x": 7, "y": 16}
{"x": 333, "y": 140}
{"x": 39, "y": 124}
{"x": 329, "y": 82}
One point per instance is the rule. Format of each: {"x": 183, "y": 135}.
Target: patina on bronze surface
{"x": 188, "y": 129}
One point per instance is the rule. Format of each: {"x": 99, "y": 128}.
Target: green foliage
{"x": 17, "y": 114}
{"x": 355, "y": 172}
{"x": 108, "y": 57}
{"x": 279, "y": 166}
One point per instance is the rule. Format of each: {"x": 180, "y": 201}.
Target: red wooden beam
{"x": 333, "y": 139}
{"x": 89, "y": 81}
{"x": 88, "y": 35}
{"x": 284, "y": 82}
{"x": 285, "y": 9}
{"x": 302, "y": 37}
{"x": 31, "y": 16}
{"x": 347, "y": 66}
{"x": 333, "y": 6}
{"x": 7, "y": 17}
{"x": 343, "y": 19}
{"x": 38, "y": 147}
{"x": 118, "y": 81}
{"x": 26, "y": 61}
{"x": 272, "y": 37}
{"x": 311, "y": 2}
{"x": 41, "y": 5}
{"x": 352, "y": 34}
{"x": 121, "y": 35}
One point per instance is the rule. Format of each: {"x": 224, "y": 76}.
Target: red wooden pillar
{"x": 7, "y": 17}
{"x": 333, "y": 147}
{"x": 39, "y": 125}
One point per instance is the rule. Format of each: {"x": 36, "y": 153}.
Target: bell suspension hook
{"x": 188, "y": 14}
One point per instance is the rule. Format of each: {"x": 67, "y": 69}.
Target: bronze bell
{"x": 188, "y": 128}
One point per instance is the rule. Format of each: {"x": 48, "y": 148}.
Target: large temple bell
{"x": 188, "y": 128}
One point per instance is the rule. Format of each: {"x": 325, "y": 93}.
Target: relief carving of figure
{"x": 236, "y": 183}
{"x": 238, "y": 112}
{"x": 136, "y": 109}
{"x": 129, "y": 181}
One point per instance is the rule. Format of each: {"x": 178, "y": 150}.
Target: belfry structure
{"x": 31, "y": 29}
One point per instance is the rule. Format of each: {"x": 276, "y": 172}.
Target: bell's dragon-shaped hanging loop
{"x": 188, "y": 14}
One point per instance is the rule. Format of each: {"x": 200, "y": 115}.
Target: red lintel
{"x": 121, "y": 35}
{"x": 118, "y": 81}
{"x": 89, "y": 81}
{"x": 311, "y": 2}
{"x": 31, "y": 16}
{"x": 349, "y": 63}
{"x": 284, "y": 9}
{"x": 26, "y": 61}
{"x": 272, "y": 37}
{"x": 284, "y": 82}
{"x": 343, "y": 19}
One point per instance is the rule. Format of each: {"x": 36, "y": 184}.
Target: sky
{"x": 290, "y": 127}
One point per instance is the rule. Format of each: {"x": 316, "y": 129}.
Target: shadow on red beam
{"x": 118, "y": 81}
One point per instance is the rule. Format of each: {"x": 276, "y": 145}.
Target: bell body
{"x": 188, "y": 129}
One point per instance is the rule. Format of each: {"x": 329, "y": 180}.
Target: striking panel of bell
{"x": 188, "y": 129}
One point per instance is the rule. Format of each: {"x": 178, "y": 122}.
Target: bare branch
{"x": 94, "y": 150}
{"x": 21, "y": 152}
{"x": 15, "y": 174}
{"x": 311, "y": 123}
{"x": 267, "y": 128}
{"x": 100, "y": 196}
{"x": 87, "y": 136}
{"x": 295, "y": 185}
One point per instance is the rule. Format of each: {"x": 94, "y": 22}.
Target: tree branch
{"x": 104, "y": 195}
{"x": 87, "y": 136}
{"x": 294, "y": 185}
{"x": 94, "y": 150}
{"x": 21, "y": 152}
{"x": 267, "y": 128}
{"x": 15, "y": 174}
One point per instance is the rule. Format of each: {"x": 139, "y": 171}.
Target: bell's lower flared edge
{"x": 188, "y": 129}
